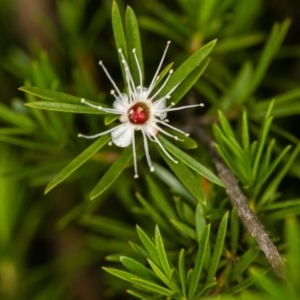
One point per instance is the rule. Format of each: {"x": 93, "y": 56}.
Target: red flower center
{"x": 139, "y": 113}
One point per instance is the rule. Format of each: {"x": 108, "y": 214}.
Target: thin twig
{"x": 238, "y": 199}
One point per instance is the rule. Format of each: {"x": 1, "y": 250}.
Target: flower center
{"x": 139, "y": 113}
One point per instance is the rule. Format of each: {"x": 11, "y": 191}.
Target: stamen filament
{"x": 136, "y": 175}
{"x": 139, "y": 67}
{"x": 158, "y": 69}
{"x": 179, "y": 108}
{"x": 99, "y": 134}
{"x": 167, "y": 133}
{"x": 147, "y": 152}
{"x": 163, "y": 148}
{"x": 109, "y": 77}
{"x": 99, "y": 107}
{"x": 163, "y": 85}
{"x": 172, "y": 127}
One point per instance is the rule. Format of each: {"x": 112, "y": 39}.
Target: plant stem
{"x": 239, "y": 199}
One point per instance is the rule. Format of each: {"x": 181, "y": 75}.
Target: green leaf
{"x": 138, "y": 269}
{"x": 190, "y": 162}
{"x": 119, "y": 34}
{"x": 50, "y": 95}
{"x": 110, "y": 118}
{"x": 149, "y": 246}
{"x": 112, "y": 173}
{"x": 189, "y": 81}
{"x": 234, "y": 230}
{"x": 192, "y": 288}
{"x": 109, "y": 226}
{"x": 153, "y": 213}
{"x": 160, "y": 199}
{"x": 273, "y": 44}
{"x": 77, "y": 162}
{"x": 187, "y": 67}
{"x": 161, "y": 252}
{"x": 65, "y": 107}
{"x": 151, "y": 286}
{"x": 170, "y": 180}
{"x": 182, "y": 272}
{"x": 200, "y": 221}
{"x": 218, "y": 249}
{"x": 134, "y": 42}
{"x": 275, "y": 182}
{"x": 245, "y": 131}
{"x": 184, "y": 229}
{"x": 292, "y": 230}
{"x": 244, "y": 262}
{"x": 159, "y": 273}
{"x": 185, "y": 175}
{"x": 261, "y": 144}
{"x": 14, "y": 118}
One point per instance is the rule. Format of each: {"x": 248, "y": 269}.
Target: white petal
{"x": 122, "y": 136}
{"x": 121, "y": 103}
{"x": 160, "y": 105}
{"x": 142, "y": 93}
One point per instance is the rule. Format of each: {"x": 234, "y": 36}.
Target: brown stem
{"x": 239, "y": 200}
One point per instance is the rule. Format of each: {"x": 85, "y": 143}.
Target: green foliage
{"x": 189, "y": 242}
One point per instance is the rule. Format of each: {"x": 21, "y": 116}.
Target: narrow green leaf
{"x": 77, "y": 162}
{"x": 65, "y": 107}
{"x": 271, "y": 47}
{"x": 20, "y": 120}
{"x": 151, "y": 286}
{"x": 138, "y": 269}
{"x": 184, "y": 229}
{"x": 149, "y": 246}
{"x": 190, "y": 162}
{"x": 292, "y": 230}
{"x": 189, "y": 81}
{"x": 260, "y": 145}
{"x": 112, "y": 173}
{"x": 192, "y": 288}
{"x": 109, "y": 226}
{"x": 244, "y": 262}
{"x": 21, "y": 142}
{"x": 52, "y": 95}
{"x": 185, "y": 175}
{"x": 140, "y": 295}
{"x": 218, "y": 249}
{"x": 270, "y": 170}
{"x": 245, "y": 131}
{"x": 234, "y": 231}
{"x": 275, "y": 182}
{"x": 274, "y": 289}
{"x": 200, "y": 221}
{"x": 119, "y": 34}
{"x": 181, "y": 268}
{"x": 161, "y": 252}
{"x": 171, "y": 181}
{"x": 134, "y": 42}
{"x": 153, "y": 213}
{"x": 160, "y": 199}
{"x": 138, "y": 249}
{"x": 187, "y": 67}
{"x": 110, "y": 118}
{"x": 159, "y": 273}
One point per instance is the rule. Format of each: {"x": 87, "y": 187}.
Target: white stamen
{"x": 158, "y": 69}
{"x": 99, "y": 134}
{"x": 134, "y": 155}
{"x": 172, "y": 127}
{"x": 138, "y": 66}
{"x": 163, "y": 85}
{"x": 147, "y": 150}
{"x": 109, "y": 77}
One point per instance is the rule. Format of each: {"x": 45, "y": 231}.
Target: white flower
{"x": 139, "y": 110}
